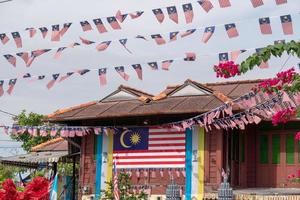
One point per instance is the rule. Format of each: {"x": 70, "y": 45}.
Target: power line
{"x": 8, "y": 113}
{"x": 5, "y": 1}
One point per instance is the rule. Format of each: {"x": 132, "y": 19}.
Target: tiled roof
{"x": 57, "y": 144}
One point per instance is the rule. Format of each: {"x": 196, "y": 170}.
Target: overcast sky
{"x": 20, "y": 14}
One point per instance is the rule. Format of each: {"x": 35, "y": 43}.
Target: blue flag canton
{"x": 131, "y": 139}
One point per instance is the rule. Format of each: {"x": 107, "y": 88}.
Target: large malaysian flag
{"x": 151, "y": 147}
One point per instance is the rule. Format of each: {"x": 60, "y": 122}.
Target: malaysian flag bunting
{"x": 224, "y": 3}
{"x": 11, "y": 59}
{"x": 86, "y": 41}
{"x": 187, "y": 32}
{"x": 83, "y": 71}
{"x": 32, "y": 32}
{"x": 17, "y": 38}
{"x": 265, "y": 25}
{"x": 41, "y": 77}
{"x": 172, "y": 12}
{"x": 65, "y": 28}
{"x": 85, "y": 25}
{"x": 4, "y": 39}
{"x": 206, "y": 5}
{"x": 116, "y": 185}
{"x": 139, "y": 71}
{"x": 149, "y": 147}
{"x": 235, "y": 54}
{"x": 102, "y": 76}
{"x": 141, "y": 37}
{"x": 136, "y": 14}
{"x": 190, "y": 56}
{"x": 113, "y": 23}
{"x": 278, "y": 2}
{"x": 122, "y": 73}
{"x": 100, "y": 26}
{"x": 26, "y": 75}
{"x": 103, "y": 45}
{"x": 55, "y": 36}
{"x": 153, "y": 65}
{"x": 58, "y": 53}
{"x": 120, "y": 17}
{"x": 1, "y": 88}
{"x": 262, "y": 65}
{"x": 11, "y": 85}
{"x": 158, "y": 39}
{"x": 74, "y": 44}
{"x": 35, "y": 54}
{"x": 166, "y": 64}
{"x": 173, "y": 36}
{"x": 24, "y": 56}
{"x": 223, "y": 57}
{"x": 51, "y": 83}
{"x": 231, "y": 30}
{"x": 188, "y": 12}
{"x": 208, "y": 32}
{"x": 159, "y": 14}
{"x": 64, "y": 77}
{"x": 287, "y": 26}
{"x": 279, "y": 42}
{"x": 123, "y": 43}
{"x": 44, "y": 31}
{"x": 257, "y": 3}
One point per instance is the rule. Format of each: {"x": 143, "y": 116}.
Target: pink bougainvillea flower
{"x": 227, "y": 69}
{"x": 283, "y": 116}
{"x": 297, "y": 136}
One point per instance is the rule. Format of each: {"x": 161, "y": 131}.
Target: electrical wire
{"x": 8, "y": 113}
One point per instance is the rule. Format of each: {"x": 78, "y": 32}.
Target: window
{"x": 289, "y": 148}
{"x": 263, "y": 149}
{"x": 275, "y": 149}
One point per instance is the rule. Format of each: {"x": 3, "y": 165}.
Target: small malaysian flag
{"x": 116, "y": 186}
{"x": 120, "y": 17}
{"x": 85, "y": 25}
{"x": 208, "y": 32}
{"x": 265, "y": 25}
{"x": 223, "y": 57}
{"x": 82, "y": 71}
{"x": 1, "y": 88}
{"x": 188, "y": 12}
{"x": 32, "y": 32}
{"x": 136, "y": 14}
{"x": 102, "y": 76}
{"x": 51, "y": 83}
{"x": 287, "y": 25}
{"x": 86, "y": 41}
{"x": 231, "y": 30}
{"x": 65, "y": 28}
{"x": 190, "y": 56}
{"x": 55, "y": 36}
{"x": 224, "y": 3}
{"x": 17, "y": 39}
{"x": 278, "y": 2}
{"x": 257, "y": 3}
{"x": 44, "y": 31}
{"x": 123, "y": 43}
{"x": 100, "y": 26}
{"x": 26, "y": 75}
{"x": 158, "y": 39}
{"x": 206, "y": 5}
{"x": 235, "y": 54}
{"x": 73, "y": 44}
{"x": 141, "y": 37}
{"x": 139, "y": 71}
{"x": 279, "y": 42}
{"x": 122, "y": 73}
{"x": 35, "y": 54}
{"x": 173, "y": 36}
{"x": 11, "y": 59}
{"x": 113, "y": 23}
{"x": 11, "y": 85}
{"x": 58, "y": 53}
{"x": 153, "y": 65}
{"x": 159, "y": 14}
{"x": 4, "y": 39}
{"x": 24, "y": 56}
{"x": 187, "y": 33}
{"x": 165, "y": 65}
{"x": 66, "y": 76}
{"x": 103, "y": 45}
{"x": 172, "y": 12}
{"x": 262, "y": 65}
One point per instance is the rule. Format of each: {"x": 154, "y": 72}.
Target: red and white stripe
{"x": 166, "y": 149}
{"x": 116, "y": 187}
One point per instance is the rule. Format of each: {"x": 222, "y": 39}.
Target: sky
{"x": 17, "y": 15}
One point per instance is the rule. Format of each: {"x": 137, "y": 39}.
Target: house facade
{"x": 259, "y": 156}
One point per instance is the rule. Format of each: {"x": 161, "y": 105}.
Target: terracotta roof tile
{"x": 57, "y": 144}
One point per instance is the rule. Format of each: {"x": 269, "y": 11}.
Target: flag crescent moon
{"x": 122, "y": 139}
